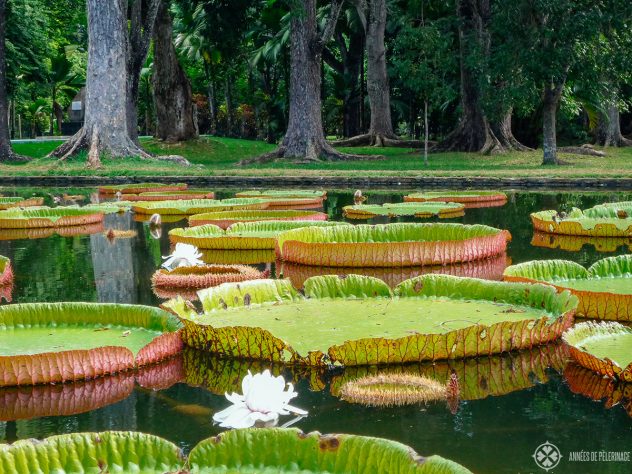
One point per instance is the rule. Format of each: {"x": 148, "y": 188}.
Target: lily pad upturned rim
{"x": 246, "y": 450}
{"x": 594, "y": 304}
{"x": 478, "y": 339}
{"x": 576, "y": 337}
{"x": 11, "y": 202}
{"x": 171, "y": 195}
{"x": 283, "y": 193}
{"x": 466, "y": 197}
{"x": 204, "y": 276}
{"x": 48, "y": 217}
{"x": 242, "y": 235}
{"x": 413, "y": 209}
{"x": 197, "y": 206}
{"x": 79, "y": 364}
{"x": 579, "y": 224}
{"x": 574, "y": 243}
{"x": 136, "y": 188}
{"x": 385, "y": 245}
{"x": 225, "y": 219}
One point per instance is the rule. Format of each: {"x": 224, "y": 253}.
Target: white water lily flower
{"x": 183, "y": 255}
{"x": 264, "y": 398}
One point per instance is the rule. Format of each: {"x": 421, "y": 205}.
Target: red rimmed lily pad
{"x": 574, "y": 243}
{"x": 391, "y": 245}
{"x": 471, "y": 199}
{"x": 443, "y": 210}
{"x": 206, "y": 276}
{"x": 189, "y": 207}
{"x": 604, "y": 289}
{"x": 357, "y": 320}
{"x": 58, "y": 342}
{"x": 136, "y": 188}
{"x": 170, "y": 196}
{"x": 48, "y": 217}
{"x": 227, "y": 218}
{"x": 605, "y": 220}
{"x": 604, "y": 347}
{"x": 10, "y": 202}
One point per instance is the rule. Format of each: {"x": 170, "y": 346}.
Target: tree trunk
{"x": 503, "y": 133}
{"x": 172, "y": 90}
{"x": 304, "y": 140}
{"x": 426, "y": 132}
{"x": 609, "y": 129}
{"x": 228, "y": 100}
{"x": 142, "y": 16}
{"x": 6, "y": 153}
{"x": 352, "y": 65}
{"x": 212, "y": 101}
{"x": 550, "y": 103}
{"x": 381, "y": 127}
{"x": 105, "y": 130}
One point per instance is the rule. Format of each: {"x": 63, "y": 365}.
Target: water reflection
{"x": 488, "y": 269}
{"x": 574, "y": 243}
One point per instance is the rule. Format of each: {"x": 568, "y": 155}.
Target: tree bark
{"x": 142, "y": 17}
{"x": 550, "y": 103}
{"x": 172, "y": 91}
{"x": 609, "y": 129}
{"x": 228, "y": 100}
{"x": 105, "y": 130}
{"x": 6, "y": 152}
{"x": 304, "y": 140}
{"x": 380, "y": 132}
{"x": 503, "y": 133}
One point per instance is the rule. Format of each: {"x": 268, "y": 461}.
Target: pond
{"x": 510, "y": 404}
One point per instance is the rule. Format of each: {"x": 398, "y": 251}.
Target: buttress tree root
{"x": 378, "y": 140}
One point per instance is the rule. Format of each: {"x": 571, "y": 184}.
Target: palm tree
{"x": 61, "y": 79}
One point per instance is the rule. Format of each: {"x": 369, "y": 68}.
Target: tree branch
{"x": 330, "y": 26}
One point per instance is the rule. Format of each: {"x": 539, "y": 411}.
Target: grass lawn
{"x": 219, "y": 156}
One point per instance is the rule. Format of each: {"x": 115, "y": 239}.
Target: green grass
{"x": 219, "y": 156}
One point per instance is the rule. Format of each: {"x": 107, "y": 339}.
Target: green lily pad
{"x": 242, "y": 235}
{"x": 289, "y": 450}
{"x": 261, "y": 450}
{"x": 196, "y": 206}
{"x": 135, "y": 188}
{"x": 604, "y": 220}
{"x": 357, "y": 320}
{"x": 470, "y": 198}
{"x": 282, "y": 193}
{"x": 225, "y": 219}
{"x": 604, "y": 347}
{"x": 604, "y": 290}
{"x": 11, "y": 202}
{"x": 391, "y": 245}
{"x": 416, "y": 209}
{"x": 112, "y": 451}
{"x": 48, "y": 217}
{"x": 56, "y": 342}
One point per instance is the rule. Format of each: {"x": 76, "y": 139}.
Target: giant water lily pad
{"x": 227, "y": 218}
{"x": 204, "y": 276}
{"x": 188, "y": 207}
{"x": 171, "y": 195}
{"x": 289, "y": 450}
{"x": 10, "y": 202}
{"x": 604, "y": 347}
{"x": 357, "y": 320}
{"x": 607, "y": 220}
{"x": 45, "y": 232}
{"x": 57, "y": 342}
{"x": 288, "y": 199}
{"x": 245, "y": 451}
{"x": 137, "y": 188}
{"x": 108, "y": 452}
{"x": 604, "y": 290}
{"x": 390, "y": 245}
{"x": 471, "y": 199}
{"x": 236, "y": 257}
{"x": 48, "y": 217}
{"x": 243, "y": 235}
{"x": 412, "y": 209}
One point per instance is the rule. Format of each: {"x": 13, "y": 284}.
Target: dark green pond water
{"x": 510, "y": 404}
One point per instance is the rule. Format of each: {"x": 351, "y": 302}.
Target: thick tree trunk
{"x": 105, "y": 130}
{"x": 304, "y": 140}
{"x": 609, "y": 129}
{"x": 172, "y": 90}
{"x": 6, "y": 153}
{"x": 473, "y": 132}
{"x": 503, "y": 133}
{"x": 550, "y": 103}
{"x": 380, "y": 132}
